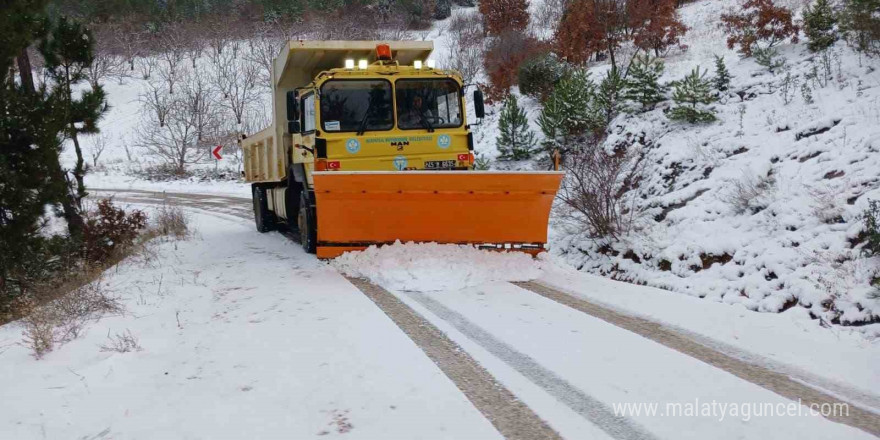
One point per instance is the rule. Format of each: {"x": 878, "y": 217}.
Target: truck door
{"x": 306, "y": 142}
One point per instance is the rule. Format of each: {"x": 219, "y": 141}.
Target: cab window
{"x": 428, "y": 103}
{"x": 356, "y": 105}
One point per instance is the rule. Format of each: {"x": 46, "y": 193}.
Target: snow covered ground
{"x": 568, "y": 367}
{"x": 243, "y": 336}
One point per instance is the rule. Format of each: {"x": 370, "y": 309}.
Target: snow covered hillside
{"x": 808, "y": 164}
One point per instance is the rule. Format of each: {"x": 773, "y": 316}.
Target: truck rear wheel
{"x": 308, "y": 235}
{"x": 264, "y": 219}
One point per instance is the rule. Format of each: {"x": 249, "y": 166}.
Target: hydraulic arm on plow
{"x": 370, "y": 144}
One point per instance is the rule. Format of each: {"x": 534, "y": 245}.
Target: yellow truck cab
{"x": 349, "y": 117}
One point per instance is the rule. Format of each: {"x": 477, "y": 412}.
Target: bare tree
{"x": 172, "y": 51}
{"x": 156, "y": 102}
{"x": 394, "y": 26}
{"x": 345, "y": 24}
{"x": 129, "y": 40}
{"x": 219, "y": 35}
{"x": 550, "y": 14}
{"x": 465, "y": 52}
{"x": 197, "y": 104}
{"x": 105, "y": 63}
{"x": 98, "y": 145}
{"x": 237, "y": 83}
{"x": 146, "y": 65}
{"x": 467, "y": 60}
{"x": 195, "y": 45}
{"x": 597, "y": 192}
{"x": 264, "y": 47}
{"x": 191, "y": 125}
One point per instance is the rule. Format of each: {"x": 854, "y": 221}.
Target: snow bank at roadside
{"x": 427, "y": 267}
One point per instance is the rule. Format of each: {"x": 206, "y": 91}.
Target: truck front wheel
{"x": 264, "y": 219}
{"x": 308, "y": 235}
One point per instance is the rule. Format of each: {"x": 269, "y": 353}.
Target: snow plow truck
{"x": 370, "y": 144}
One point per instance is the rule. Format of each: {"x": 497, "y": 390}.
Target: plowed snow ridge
{"x": 427, "y": 267}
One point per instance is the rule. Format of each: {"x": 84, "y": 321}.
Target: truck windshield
{"x": 428, "y": 103}
{"x": 356, "y": 105}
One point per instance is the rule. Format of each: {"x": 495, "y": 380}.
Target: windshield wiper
{"x": 363, "y": 125}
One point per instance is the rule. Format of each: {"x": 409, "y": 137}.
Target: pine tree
{"x": 861, "y": 25}
{"x": 29, "y": 145}
{"x": 722, "y": 76}
{"x": 642, "y": 86}
{"x": 608, "y": 96}
{"x": 692, "y": 90}
{"x": 571, "y": 113}
{"x": 68, "y": 50}
{"x": 819, "y": 21}
{"x": 516, "y": 140}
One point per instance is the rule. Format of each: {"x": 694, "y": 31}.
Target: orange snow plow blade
{"x": 497, "y": 210}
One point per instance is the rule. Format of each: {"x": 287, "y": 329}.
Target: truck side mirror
{"x": 479, "y": 108}
{"x": 293, "y": 127}
{"x": 292, "y": 107}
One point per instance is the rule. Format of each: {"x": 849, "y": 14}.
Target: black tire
{"x": 264, "y": 219}
{"x": 308, "y": 229}
{"x": 292, "y": 201}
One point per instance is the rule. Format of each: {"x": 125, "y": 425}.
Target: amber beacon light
{"x": 383, "y": 52}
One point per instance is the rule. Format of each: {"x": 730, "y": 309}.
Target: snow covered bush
{"x": 56, "y": 318}
{"x": 694, "y": 89}
{"x": 122, "y": 343}
{"x": 110, "y": 230}
{"x": 539, "y": 74}
{"x": 516, "y": 141}
{"x": 760, "y": 24}
{"x": 594, "y": 196}
{"x": 768, "y": 58}
{"x": 172, "y": 221}
{"x": 752, "y": 193}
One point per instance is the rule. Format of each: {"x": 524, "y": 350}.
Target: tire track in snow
{"x": 512, "y": 418}
{"x": 588, "y": 407}
{"x": 777, "y": 382}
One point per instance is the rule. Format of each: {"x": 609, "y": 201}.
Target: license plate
{"x": 439, "y": 164}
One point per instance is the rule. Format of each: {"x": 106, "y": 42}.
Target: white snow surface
{"x": 427, "y": 267}
{"x": 243, "y": 336}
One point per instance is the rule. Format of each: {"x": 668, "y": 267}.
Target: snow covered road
{"x": 245, "y": 336}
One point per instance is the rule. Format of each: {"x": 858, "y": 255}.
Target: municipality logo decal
{"x": 400, "y": 163}
{"x": 443, "y": 141}
{"x": 353, "y": 146}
